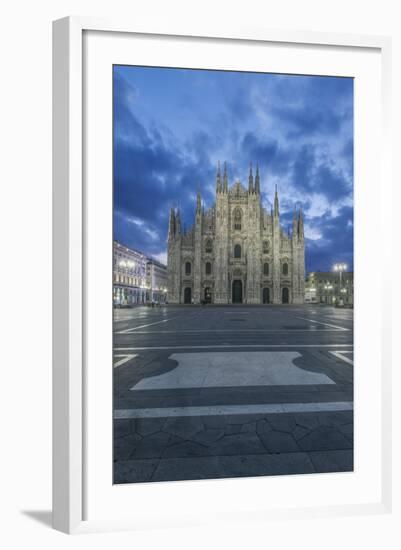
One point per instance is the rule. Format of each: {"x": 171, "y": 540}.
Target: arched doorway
{"x": 187, "y": 295}
{"x": 266, "y": 295}
{"x": 237, "y": 292}
{"x": 285, "y": 295}
{"x": 208, "y": 295}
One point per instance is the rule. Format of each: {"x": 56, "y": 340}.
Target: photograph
{"x": 232, "y": 274}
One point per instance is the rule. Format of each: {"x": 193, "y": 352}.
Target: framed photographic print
{"x": 217, "y": 197}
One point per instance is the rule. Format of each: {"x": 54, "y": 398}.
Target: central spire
{"x": 276, "y": 206}
{"x": 300, "y": 224}
{"x": 225, "y": 179}
{"x": 171, "y": 224}
{"x": 250, "y": 179}
{"x": 257, "y": 180}
{"x": 178, "y": 222}
{"x": 218, "y": 179}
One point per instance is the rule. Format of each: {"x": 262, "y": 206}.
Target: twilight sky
{"x": 171, "y": 126}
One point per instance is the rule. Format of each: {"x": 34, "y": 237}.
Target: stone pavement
{"x": 196, "y": 398}
{"x": 242, "y": 445}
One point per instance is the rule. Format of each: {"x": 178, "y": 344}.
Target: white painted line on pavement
{"x": 339, "y": 355}
{"x": 247, "y": 330}
{"x": 211, "y": 346}
{"x": 125, "y": 360}
{"x": 218, "y": 410}
{"x": 129, "y": 330}
{"x": 233, "y": 312}
{"x": 326, "y": 324}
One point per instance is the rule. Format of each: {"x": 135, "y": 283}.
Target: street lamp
{"x": 340, "y": 268}
{"x": 328, "y": 288}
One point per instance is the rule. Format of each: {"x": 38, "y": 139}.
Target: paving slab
{"x": 333, "y": 461}
{"x": 241, "y": 443}
{"x": 324, "y": 438}
{"x": 183, "y": 427}
{"x": 124, "y": 447}
{"x": 122, "y": 428}
{"x": 256, "y": 465}
{"x": 215, "y": 467}
{"x": 279, "y": 442}
{"x": 208, "y": 436}
{"x": 185, "y": 448}
{"x": 134, "y": 471}
{"x": 151, "y": 446}
{"x": 147, "y": 426}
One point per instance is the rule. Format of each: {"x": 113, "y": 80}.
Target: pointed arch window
{"x": 266, "y": 269}
{"x": 208, "y": 268}
{"x": 209, "y": 247}
{"x": 237, "y": 219}
{"x": 187, "y": 268}
{"x": 237, "y": 251}
{"x": 285, "y": 269}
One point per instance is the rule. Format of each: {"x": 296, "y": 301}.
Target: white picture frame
{"x": 70, "y": 260}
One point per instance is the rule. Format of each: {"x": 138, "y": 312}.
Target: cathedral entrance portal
{"x": 208, "y": 295}
{"x": 237, "y": 292}
{"x": 266, "y": 295}
{"x": 187, "y": 295}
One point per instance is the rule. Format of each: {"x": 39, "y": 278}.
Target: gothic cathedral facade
{"x": 236, "y": 252}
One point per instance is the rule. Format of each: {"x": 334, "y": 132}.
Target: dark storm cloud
{"x": 268, "y": 153}
{"x": 150, "y": 177}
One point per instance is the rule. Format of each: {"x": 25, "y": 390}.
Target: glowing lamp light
{"x": 340, "y": 267}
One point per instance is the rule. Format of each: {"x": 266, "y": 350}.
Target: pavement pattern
{"x": 232, "y": 391}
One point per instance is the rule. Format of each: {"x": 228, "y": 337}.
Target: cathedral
{"x": 236, "y": 251}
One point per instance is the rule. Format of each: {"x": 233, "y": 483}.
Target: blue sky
{"x": 171, "y": 126}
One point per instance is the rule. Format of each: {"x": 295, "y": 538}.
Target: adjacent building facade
{"x": 327, "y": 287}
{"x": 236, "y": 251}
{"x": 156, "y": 279}
{"x": 129, "y": 276}
{"x": 137, "y": 279}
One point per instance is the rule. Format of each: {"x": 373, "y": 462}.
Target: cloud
{"x": 171, "y": 126}
{"x": 161, "y": 257}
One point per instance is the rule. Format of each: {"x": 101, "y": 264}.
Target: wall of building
{"x": 324, "y": 288}
{"x": 156, "y": 282}
{"x": 236, "y": 251}
{"x": 137, "y": 279}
